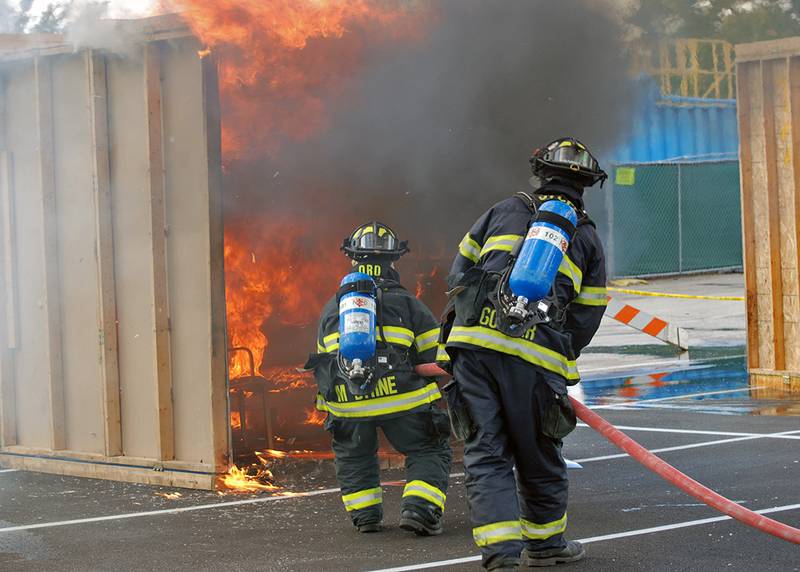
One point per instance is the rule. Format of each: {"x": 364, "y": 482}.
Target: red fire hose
{"x": 663, "y": 469}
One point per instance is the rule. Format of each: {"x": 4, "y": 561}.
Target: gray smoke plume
{"x": 431, "y": 132}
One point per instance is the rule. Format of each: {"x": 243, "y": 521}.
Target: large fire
{"x": 281, "y": 64}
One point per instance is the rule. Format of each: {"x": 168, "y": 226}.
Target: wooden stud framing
{"x": 774, "y": 216}
{"x": 8, "y": 305}
{"x": 794, "y": 110}
{"x": 746, "y": 178}
{"x": 163, "y": 365}
{"x": 44, "y": 121}
{"x": 219, "y": 353}
{"x": 107, "y": 303}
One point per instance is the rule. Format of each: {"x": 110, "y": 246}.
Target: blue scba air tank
{"x": 542, "y": 252}
{"x": 357, "y": 320}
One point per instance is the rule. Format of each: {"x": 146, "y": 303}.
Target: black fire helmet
{"x": 374, "y": 240}
{"x": 567, "y": 158}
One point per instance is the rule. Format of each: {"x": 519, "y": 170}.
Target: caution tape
{"x": 667, "y": 295}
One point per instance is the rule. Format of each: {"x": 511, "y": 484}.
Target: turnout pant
{"x": 508, "y": 401}
{"x": 422, "y": 436}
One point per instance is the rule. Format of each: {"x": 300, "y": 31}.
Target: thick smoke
{"x": 432, "y": 131}
{"x": 423, "y": 133}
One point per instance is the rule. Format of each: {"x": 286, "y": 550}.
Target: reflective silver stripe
{"x": 500, "y": 532}
{"x": 543, "y": 531}
{"x": 426, "y": 491}
{"x": 427, "y": 340}
{"x": 362, "y": 499}
{"x": 504, "y": 243}
{"x": 469, "y": 249}
{"x": 517, "y": 347}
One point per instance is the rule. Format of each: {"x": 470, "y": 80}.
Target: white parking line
{"x": 177, "y": 510}
{"x": 591, "y": 539}
{"x": 8, "y": 470}
{"x": 691, "y": 446}
{"x": 696, "y": 432}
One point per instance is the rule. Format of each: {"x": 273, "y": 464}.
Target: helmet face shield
{"x": 573, "y": 156}
{"x": 567, "y": 158}
{"x": 374, "y": 240}
{"x": 371, "y": 240}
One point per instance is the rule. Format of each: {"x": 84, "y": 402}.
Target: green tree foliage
{"x": 736, "y": 21}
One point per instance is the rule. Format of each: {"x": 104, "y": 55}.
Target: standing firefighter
{"x": 391, "y": 397}
{"x": 513, "y": 355}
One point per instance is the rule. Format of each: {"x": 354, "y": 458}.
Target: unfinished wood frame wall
{"x": 112, "y": 345}
{"x": 769, "y": 131}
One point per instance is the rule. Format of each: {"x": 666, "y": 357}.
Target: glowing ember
{"x": 314, "y": 417}
{"x": 236, "y": 420}
{"x": 249, "y": 480}
{"x": 170, "y": 496}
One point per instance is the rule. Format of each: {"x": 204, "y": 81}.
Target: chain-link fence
{"x": 670, "y": 218}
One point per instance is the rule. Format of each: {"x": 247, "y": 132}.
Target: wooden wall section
{"x": 112, "y": 357}
{"x": 769, "y": 128}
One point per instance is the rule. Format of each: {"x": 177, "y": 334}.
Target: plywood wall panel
{"x": 769, "y": 93}
{"x": 129, "y": 173}
{"x": 112, "y": 317}
{"x": 76, "y": 254}
{"x": 187, "y": 194}
{"x": 30, "y": 367}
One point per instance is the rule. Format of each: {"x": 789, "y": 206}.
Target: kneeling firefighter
{"x": 528, "y": 293}
{"x": 371, "y": 335}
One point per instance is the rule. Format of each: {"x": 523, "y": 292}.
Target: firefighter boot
{"x": 421, "y": 521}
{"x": 570, "y": 553}
{"x": 369, "y": 527}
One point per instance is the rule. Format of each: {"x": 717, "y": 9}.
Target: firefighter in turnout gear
{"x": 512, "y": 389}
{"x": 402, "y": 403}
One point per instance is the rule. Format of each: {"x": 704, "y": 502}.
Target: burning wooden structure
{"x": 112, "y": 345}
{"x": 768, "y": 75}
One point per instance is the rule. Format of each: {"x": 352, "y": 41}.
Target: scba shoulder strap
{"x": 532, "y": 202}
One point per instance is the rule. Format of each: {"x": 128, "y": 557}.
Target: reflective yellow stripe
{"x": 362, "y": 499}
{"x": 394, "y": 335}
{"x": 497, "y": 532}
{"x": 543, "y": 531}
{"x": 424, "y": 490}
{"x": 398, "y": 335}
{"x": 441, "y": 353}
{"x": 571, "y": 271}
{"x": 529, "y": 351}
{"x": 320, "y": 348}
{"x": 469, "y": 249}
{"x": 381, "y": 405}
{"x": 427, "y": 340}
{"x": 504, "y": 242}
{"x": 592, "y": 296}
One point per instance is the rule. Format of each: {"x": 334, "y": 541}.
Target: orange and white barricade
{"x": 647, "y": 324}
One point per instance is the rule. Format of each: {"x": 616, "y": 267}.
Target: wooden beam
{"x": 163, "y": 357}
{"x": 219, "y": 353}
{"x": 52, "y": 306}
{"x": 794, "y": 109}
{"x": 8, "y": 305}
{"x": 107, "y": 301}
{"x": 770, "y": 49}
{"x": 744, "y": 76}
{"x": 774, "y": 216}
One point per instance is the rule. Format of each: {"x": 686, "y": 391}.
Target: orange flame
{"x": 314, "y": 417}
{"x": 270, "y": 81}
{"x": 240, "y": 480}
{"x": 236, "y": 420}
